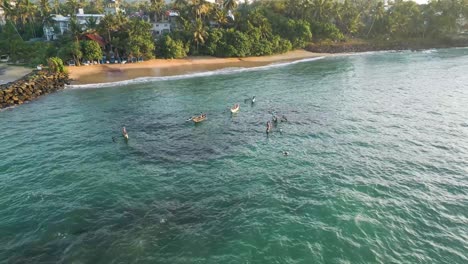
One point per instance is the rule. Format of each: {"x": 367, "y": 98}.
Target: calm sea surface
{"x": 377, "y": 170}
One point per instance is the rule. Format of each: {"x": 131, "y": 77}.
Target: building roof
{"x": 100, "y": 40}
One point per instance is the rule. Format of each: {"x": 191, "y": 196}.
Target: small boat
{"x": 253, "y": 99}
{"x": 235, "y": 108}
{"x": 269, "y": 127}
{"x": 198, "y": 119}
{"x": 124, "y": 133}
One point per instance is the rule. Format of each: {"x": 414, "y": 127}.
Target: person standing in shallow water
{"x": 124, "y": 133}
{"x": 268, "y": 127}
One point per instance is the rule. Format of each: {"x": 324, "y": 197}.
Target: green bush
{"x": 281, "y": 45}
{"x": 327, "y": 31}
{"x": 55, "y": 64}
{"x": 171, "y": 49}
{"x": 298, "y": 32}
{"x": 91, "y": 50}
{"x": 215, "y": 39}
{"x": 239, "y": 41}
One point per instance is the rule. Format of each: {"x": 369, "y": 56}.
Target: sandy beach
{"x": 161, "y": 67}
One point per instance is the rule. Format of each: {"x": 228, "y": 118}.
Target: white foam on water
{"x": 8, "y": 108}
{"x": 429, "y": 51}
{"x": 225, "y": 71}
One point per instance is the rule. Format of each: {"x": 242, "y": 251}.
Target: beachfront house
{"x": 168, "y": 22}
{"x": 60, "y": 24}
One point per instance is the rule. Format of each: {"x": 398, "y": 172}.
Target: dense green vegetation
{"x": 231, "y": 30}
{"x": 55, "y": 64}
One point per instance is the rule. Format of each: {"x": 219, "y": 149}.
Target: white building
{"x": 160, "y": 28}
{"x": 167, "y": 23}
{"x": 61, "y": 23}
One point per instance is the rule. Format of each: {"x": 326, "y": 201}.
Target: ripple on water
{"x": 376, "y": 171}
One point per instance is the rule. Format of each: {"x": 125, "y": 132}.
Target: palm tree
{"x": 109, "y": 24}
{"x": 180, "y": 4}
{"x": 73, "y": 6}
{"x": 296, "y": 8}
{"x": 44, "y": 8}
{"x": 57, "y": 7}
{"x": 258, "y": 20}
{"x": 11, "y": 14}
{"x": 199, "y": 32}
{"x": 156, "y": 7}
{"x": 91, "y": 24}
{"x": 321, "y": 9}
{"x": 219, "y": 16}
{"x": 9, "y": 10}
{"x": 379, "y": 13}
{"x": 74, "y": 28}
{"x": 200, "y": 8}
{"x": 230, "y": 5}
{"x": 27, "y": 12}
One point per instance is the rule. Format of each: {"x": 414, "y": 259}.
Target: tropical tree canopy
{"x": 227, "y": 28}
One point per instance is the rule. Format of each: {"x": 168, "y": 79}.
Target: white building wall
{"x": 62, "y": 22}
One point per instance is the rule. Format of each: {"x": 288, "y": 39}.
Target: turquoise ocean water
{"x": 377, "y": 170}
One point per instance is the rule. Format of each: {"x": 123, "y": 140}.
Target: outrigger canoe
{"x": 198, "y": 119}
{"x": 235, "y": 108}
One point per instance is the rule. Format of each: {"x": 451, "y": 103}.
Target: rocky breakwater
{"x": 31, "y": 86}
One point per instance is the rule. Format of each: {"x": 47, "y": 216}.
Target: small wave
{"x": 8, "y": 108}
{"x": 429, "y": 51}
{"x": 225, "y": 71}
{"x": 367, "y": 52}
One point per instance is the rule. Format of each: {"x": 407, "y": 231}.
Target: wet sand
{"x": 11, "y": 73}
{"x": 161, "y": 67}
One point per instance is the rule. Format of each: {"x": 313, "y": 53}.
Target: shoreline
{"x": 108, "y": 73}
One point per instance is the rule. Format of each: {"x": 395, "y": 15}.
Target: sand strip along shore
{"x": 161, "y": 67}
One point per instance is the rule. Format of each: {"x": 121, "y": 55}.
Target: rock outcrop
{"x": 31, "y": 86}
